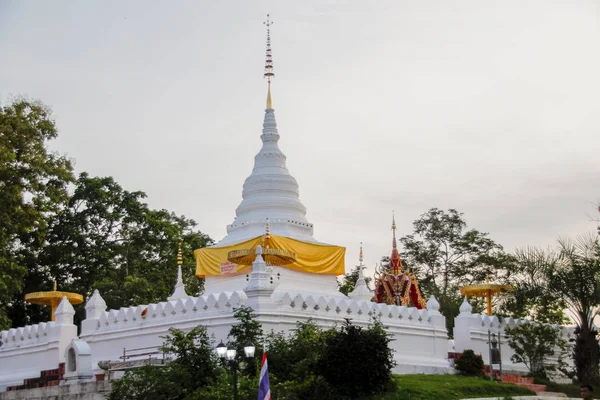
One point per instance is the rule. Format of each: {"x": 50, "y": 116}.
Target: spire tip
{"x": 269, "y": 74}
{"x": 179, "y": 255}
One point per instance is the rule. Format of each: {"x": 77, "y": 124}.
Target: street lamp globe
{"x": 221, "y": 350}
{"x": 249, "y": 350}
{"x": 231, "y": 354}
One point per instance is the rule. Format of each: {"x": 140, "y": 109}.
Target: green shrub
{"x": 469, "y": 363}
{"x": 357, "y": 361}
{"x": 533, "y": 343}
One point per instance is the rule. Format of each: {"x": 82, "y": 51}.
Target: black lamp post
{"x": 229, "y": 356}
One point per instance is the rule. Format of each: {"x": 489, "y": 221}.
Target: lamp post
{"x": 229, "y": 356}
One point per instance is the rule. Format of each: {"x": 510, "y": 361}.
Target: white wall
{"x": 420, "y": 337}
{"x": 27, "y": 351}
{"x": 471, "y": 332}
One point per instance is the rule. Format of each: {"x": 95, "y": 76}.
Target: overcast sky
{"x": 491, "y": 108}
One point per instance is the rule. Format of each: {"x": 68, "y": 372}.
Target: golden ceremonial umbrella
{"x": 486, "y": 290}
{"x": 52, "y": 299}
{"x": 271, "y": 256}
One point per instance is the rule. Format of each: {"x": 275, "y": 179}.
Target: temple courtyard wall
{"x": 420, "y": 341}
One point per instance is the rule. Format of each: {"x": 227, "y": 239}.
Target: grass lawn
{"x": 449, "y": 387}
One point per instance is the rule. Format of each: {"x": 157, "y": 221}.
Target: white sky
{"x": 491, "y": 108}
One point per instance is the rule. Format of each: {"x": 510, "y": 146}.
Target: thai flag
{"x": 264, "y": 393}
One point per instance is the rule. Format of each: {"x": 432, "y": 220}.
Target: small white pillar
{"x": 63, "y": 329}
{"x": 462, "y": 330}
{"x": 78, "y": 361}
{"x": 94, "y": 307}
{"x": 64, "y": 312}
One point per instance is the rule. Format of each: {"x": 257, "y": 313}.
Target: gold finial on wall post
{"x": 179, "y": 255}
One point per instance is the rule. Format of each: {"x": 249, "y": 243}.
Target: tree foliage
{"x": 247, "y": 331}
{"x": 533, "y": 344}
{"x": 85, "y": 234}
{"x": 446, "y": 256}
{"x": 333, "y": 364}
{"x": 194, "y": 367}
{"x": 107, "y": 238}
{"x": 527, "y": 270}
{"x": 356, "y": 361}
{"x": 469, "y": 363}
{"x": 569, "y": 276}
{"x": 33, "y": 184}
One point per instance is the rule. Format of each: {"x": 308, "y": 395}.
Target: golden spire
{"x": 360, "y": 256}
{"x": 267, "y": 236}
{"x": 269, "y": 62}
{"x": 54, "y": 286}
{"x": 394, "y": 229}
{"x": 179, "y": 256}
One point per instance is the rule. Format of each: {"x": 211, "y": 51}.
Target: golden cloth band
{"x": 311, "y": 257}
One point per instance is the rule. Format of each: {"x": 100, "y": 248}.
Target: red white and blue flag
{"x": 264, "y": 393}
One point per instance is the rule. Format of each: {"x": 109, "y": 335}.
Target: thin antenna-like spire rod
{"x": 269, "y": 74}
{"x": 394, "y": 229}
{"x": 360, "y": 256}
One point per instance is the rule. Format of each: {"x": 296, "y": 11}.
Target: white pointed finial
{"x": 465, "y": 307}
{"x": 64, "y": 312}
{"x": 433, "y": 305}
{"x": 179, "y": 291}
{"x": 95, "y": 306}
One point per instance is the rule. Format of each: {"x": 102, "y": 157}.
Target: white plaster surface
{"x": 28, "y": 350}
{"x": 269, "y": 192}
{"x": 471, "y": 332}
{"x": 82, "y": 391}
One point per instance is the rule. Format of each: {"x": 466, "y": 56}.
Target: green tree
{"x": 527, "y": 271}
{"x": 356, "y": 361}
{"x": 107, "y": 238}
{"x": 533, "y": 343}
{"x": 247, "y": 331}
{"x": 194, "y": 367}
{"x": 293, "y": 363}
{"x": 33, "y": 185}
{"x": 570, "y": 276}
{"x": 445, "y": 256}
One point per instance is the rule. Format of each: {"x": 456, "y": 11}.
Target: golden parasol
{"x": 52, "y": 299}
{"x": 486, "y": 290}
{"x": 271, "y": 256}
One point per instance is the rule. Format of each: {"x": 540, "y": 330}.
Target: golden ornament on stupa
{"x": 487, "y": 290}
{"x": 53, "y": 299}
{"x": 271, "y": 256}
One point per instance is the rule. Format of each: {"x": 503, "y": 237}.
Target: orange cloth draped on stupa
{"x": 314, "y": 258}
{"x": 394, "y": 286}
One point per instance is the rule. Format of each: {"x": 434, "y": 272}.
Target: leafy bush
{"x": 293, "y": 362}
{"x": 357, "y": 361}
{"x": 248, "y": 330}
{"x": 533, "y": 343}
{"x": 194, "y": 367}
{"x": 469, "y": 363}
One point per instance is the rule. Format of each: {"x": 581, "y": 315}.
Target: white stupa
{"x": 270, "y": 196}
